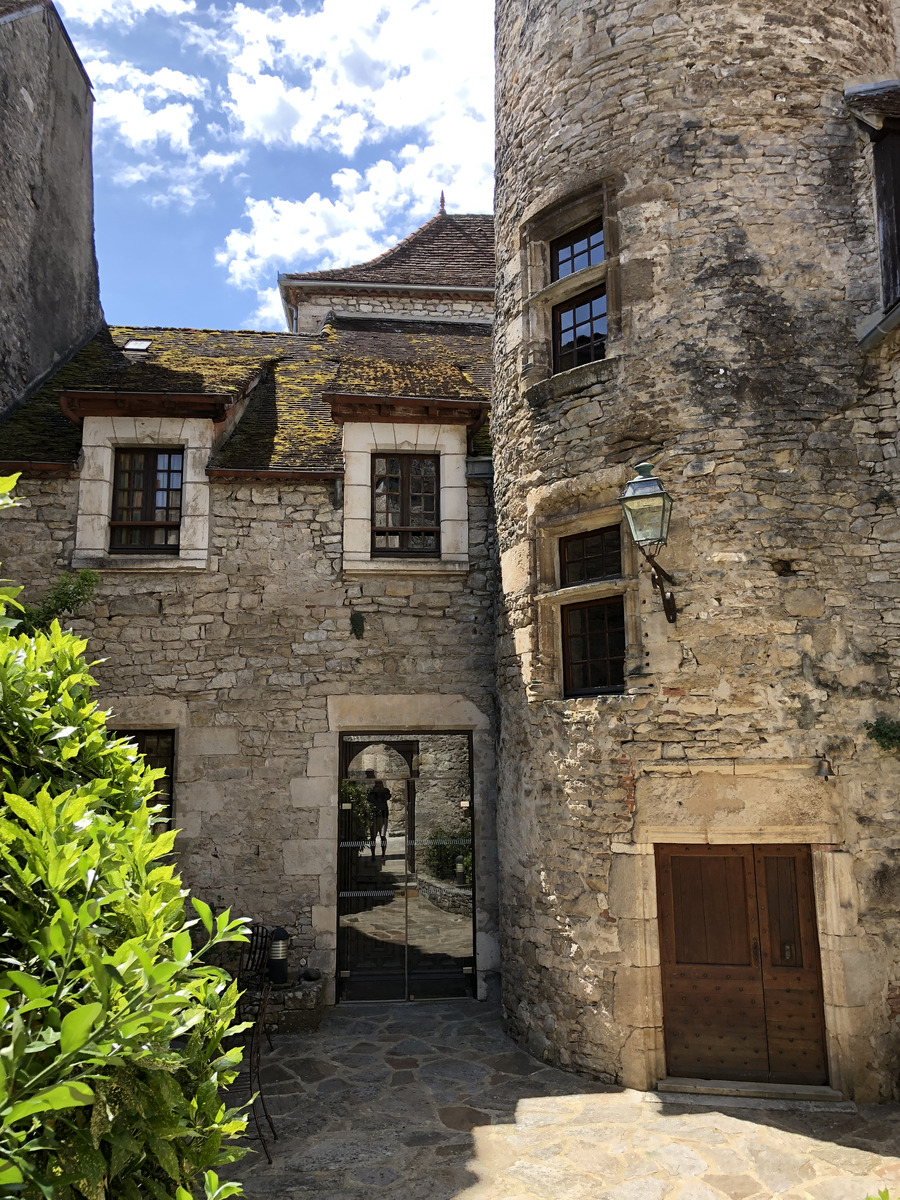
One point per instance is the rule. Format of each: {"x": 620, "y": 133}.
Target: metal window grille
{"x": 596, "y": 554}
{"x": 146, "y": 515}
{"x": 406, "y": 505}
{"x": 579, "y": 330}
{"x": 594, "y": 647}
{"x": 583, "y": 247}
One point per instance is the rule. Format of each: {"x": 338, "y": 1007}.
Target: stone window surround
{"x": 101, "y": 437}
{"x": 551, "y": 596}
{"x": 363, "y": 439}
{"x": 541, "y": 294}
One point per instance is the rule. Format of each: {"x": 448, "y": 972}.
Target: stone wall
{"x": 49, "y": 290}
{"x": 314, "y": 306}
{"x": 742, "y": 254}
{"x": 251, "y": 661}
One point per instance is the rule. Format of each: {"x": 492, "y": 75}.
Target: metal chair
{"x": 252, "y": 970}
{"x": 255, "y": 953}
{"x": 248, "y": 1079}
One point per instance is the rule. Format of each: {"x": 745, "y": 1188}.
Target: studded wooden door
{"x": 742, "y": 985}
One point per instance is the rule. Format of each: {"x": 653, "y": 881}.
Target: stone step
{"x": 755, "y": 1091}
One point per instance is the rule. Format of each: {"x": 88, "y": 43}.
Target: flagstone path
{"x": 434, "y": 1102}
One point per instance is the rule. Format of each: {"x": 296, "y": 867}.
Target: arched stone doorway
{"x": 405, "y": 895}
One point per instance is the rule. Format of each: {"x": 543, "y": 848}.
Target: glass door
{"x": 405, "y": 886}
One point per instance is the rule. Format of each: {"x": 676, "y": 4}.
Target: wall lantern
{"x": 647, "y": 507}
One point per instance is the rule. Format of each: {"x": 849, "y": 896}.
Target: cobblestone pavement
{"x": 434, "y": 1102}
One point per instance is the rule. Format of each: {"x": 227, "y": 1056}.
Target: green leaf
{"x": 53, "y": 1099}
{"x": 77, "y": 1025}
{"x": 9, "y": 1172}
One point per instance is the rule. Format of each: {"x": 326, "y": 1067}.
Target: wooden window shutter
{"x": 887, "y": 195}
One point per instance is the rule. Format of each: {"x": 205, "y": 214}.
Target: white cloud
{"x": 341, "y": 78}
{"x": 142, "y": 108}
{"x": 269, "y": 312}
{"x": 122, "y": 11}
{"x": 338, "y": 77}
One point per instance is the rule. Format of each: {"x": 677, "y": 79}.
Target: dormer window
{"x": 405, "y": 510}
{"x": 146, "y": 514}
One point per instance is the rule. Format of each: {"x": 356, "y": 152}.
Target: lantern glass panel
{"x": 648, "y": 517}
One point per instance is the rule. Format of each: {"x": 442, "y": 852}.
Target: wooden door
{"x": 742, "y": 993}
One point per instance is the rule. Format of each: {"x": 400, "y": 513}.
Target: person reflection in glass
{"x": 378, "y": 797}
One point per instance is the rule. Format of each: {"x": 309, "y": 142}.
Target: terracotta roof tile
{"x": 450, "y": 250}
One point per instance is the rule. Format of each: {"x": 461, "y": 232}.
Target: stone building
{"x": 699, "y": 844}
{"x": 294, "y": 537}
{"x": 50, "y": 298}
{"x": 693, "y": 870}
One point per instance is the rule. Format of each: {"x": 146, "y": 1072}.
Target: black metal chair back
{"x": 255, "y": 953}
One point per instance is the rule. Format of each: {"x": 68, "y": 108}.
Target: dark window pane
{"x": 574, "y": 251}
{"x": 579, "y": 331}
{"x": 405, "y": 499}
{"x": 146, "y": 518}
{"x": 158, "y": 748}
{"x": 594, "y": 646}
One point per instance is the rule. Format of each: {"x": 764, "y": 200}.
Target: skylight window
{"x": 137, "y": 344}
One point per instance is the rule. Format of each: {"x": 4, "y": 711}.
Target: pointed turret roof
{"x": 450, "y": 250}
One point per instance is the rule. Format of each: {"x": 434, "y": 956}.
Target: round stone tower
{"x": 700, "y": 872}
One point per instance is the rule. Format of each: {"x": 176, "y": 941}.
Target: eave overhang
{"x": 213, "y": 406}
{"x": 262, "y": 474}
{"x": 875, "y": 102}
{"x": 300, "y": 284}
{"x": 357, "y": 406}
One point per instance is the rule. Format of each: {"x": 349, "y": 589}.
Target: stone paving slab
{"x": 434, "y": 1102}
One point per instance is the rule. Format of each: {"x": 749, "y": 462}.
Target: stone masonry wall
{"x": 243, "y": 660}
{"x": 747, "y": 252}
{"x": 49, "y": 290}
{"x": 314, "y": 307}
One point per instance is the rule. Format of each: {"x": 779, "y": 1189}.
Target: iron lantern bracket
{"x": 659, "y": 577}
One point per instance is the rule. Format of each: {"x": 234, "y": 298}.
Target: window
{"x": 575, "y": 251}
{"x": 593, "y": 635}
{"x": 146, "y": 511}
{"x": 595, "y": 554}
{"x": 405, "y": 509}
{"x": 579, "y": 331}
{"x": 158, "y": 748}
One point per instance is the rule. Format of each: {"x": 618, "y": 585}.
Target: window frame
{"x": 139, "y": 736}
{"x": 886, "y": 171}
{"x": 406, "y": 530}
{"x": 569, "y": 240}
{"x": 544, "y": 291}
{"x": 604, "y": 603}
{"x": 147, "y": 524}
{"x": 582, "y": 536}
{"x": 571, "y": 305}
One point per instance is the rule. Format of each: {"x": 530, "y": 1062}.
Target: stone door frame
{"x": 638, "y": 988}
{"x": 401, "y": 713}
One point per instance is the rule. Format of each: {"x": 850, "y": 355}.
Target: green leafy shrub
{"x": 67, "y": 595}
{"x": 443, "y": 846}
{"x": 111, "y": 1024}
{"x": 354, "y": 794}
{"x": 885, "y": 732}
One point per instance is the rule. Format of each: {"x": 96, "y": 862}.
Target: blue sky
{"x": 233, "y": 141}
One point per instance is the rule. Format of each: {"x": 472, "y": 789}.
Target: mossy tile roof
{"x": 286, "y": 425}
